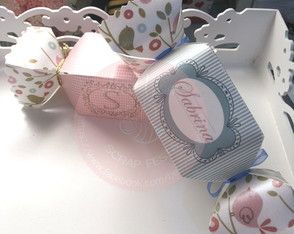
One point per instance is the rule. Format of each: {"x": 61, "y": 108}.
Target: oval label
{"x": 196, "y": 110}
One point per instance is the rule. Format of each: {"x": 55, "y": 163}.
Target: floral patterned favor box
{"x": 98, "y": 82}
{"x": 198, "y": 114}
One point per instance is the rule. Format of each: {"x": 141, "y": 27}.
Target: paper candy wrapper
{"x": 143, "y": 30}
{"x": 99, "y": 86}
{"x": 259, "y": 203}
{"x": 32, "y": 66}
{"x": 102, "y": 85}
{"x": 198, "y": 114}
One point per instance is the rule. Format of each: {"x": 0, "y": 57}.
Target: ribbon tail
{"x": 260, "y": 158}
{"x": 217, "y": 192}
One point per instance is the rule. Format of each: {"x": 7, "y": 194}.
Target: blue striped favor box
{"x": 198, "y": 114}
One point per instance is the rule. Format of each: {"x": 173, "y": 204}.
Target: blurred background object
{"x": 286, "y": 8}
{"x": 114, "y": 5}
{"x": 19, "y": 6}
{"x": 99, "y": 3}
{"x": 204, "y": 5}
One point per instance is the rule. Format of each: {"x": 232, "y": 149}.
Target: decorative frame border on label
{"x": 164, "y": 84}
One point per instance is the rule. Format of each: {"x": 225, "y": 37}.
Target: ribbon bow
{"x": 254, "y": 201}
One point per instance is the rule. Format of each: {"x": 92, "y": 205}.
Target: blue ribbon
{"x": 184, "y": 40}
{"x": 260, "y": 158}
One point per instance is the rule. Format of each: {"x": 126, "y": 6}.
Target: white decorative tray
{"x": 49, "y": 161}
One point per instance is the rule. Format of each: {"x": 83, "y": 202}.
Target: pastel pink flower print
{"x": 247, "y": 208}
{"x": 155, "y": 44}
{"x": 214, "y": 224}
{"x": 49, "y": 84}
{"x": 265, "y": 226}
{"x": 11, "y": 80}
{"x": 277, "y": 183}
{"x": 128, "y": 14}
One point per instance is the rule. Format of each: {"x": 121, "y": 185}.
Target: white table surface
{"x": 48, "y": 187}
